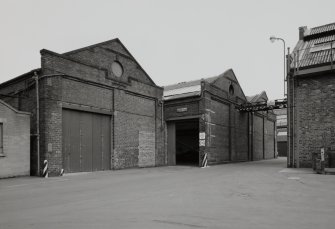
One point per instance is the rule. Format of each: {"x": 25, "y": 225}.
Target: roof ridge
{"x": 20, "y": 77}
{"x": 123, "y": 46}
{"x": 89, "y": 46}
{"x": 333, "y": 23}
{"x": 190, "y": 81}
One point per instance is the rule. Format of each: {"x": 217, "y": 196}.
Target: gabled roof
{"x": 67, "y": 54}
{"x": 230, "y": 75}
{"x": 314, "y": 47}
{"x": 107, "y": 42}
{"x": 22, "y": 77}
{"x": 193, "y": 88}
{"x": 260, "y": 97}
{"x": 96, "y": 45}
{"x": 185, "y": 89}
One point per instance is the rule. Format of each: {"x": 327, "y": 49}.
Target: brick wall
{"x": 264, "y": 145}
{"x": 269, "y": 139}
{"x": 217, "y": 128}
{"x": 314, "y": 123}
{"x": 241, "y": 136}
{"x": 171, "y": 108}
{"x": 15, "y": 160}
{"x": 258, "y": 137}
{"x": 104, "y": 56}
{"x": 232, "y": 130}
{"x": 132, "y": 116}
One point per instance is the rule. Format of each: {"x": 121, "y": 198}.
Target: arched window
{"x": 231, "y": 90}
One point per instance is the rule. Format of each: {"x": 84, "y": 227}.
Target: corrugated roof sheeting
{"x": 182, "y": 85}
{"x": 322, "y": 29}
{"x": 315, "y": 58}
{"x": 185, "y": 89}
{"x": 179, "y": 96}
{"x": 190, "y": 83}
{"x": 326, "y": 39}
{"x": 316, "y": 51}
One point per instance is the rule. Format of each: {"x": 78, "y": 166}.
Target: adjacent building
{"x": 204, "y": 125}
{"x": 281, "y": 123}
{"x": 93, "y": 108}
{"x": 262, "y": 129}
{"x": 311, "y": 96}
{"x": 14, "y": 141}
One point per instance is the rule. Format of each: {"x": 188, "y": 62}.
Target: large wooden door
{"x": 86, "y": 141}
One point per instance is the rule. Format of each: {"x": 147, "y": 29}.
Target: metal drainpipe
{"x": 37, "y": 78}
{"x": 164, "y": 130}
{"x": 295, "y": 160}
{"x": 288, "y": 110}
{"x": 293, "y": 126}
{"x": 162, "y": 110}
{"x": 37, "y": 122}
{"x": 252, "y": 136}
{"x": 296, "y": 71}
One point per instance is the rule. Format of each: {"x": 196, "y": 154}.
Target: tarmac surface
{"x": 263, "y": 194}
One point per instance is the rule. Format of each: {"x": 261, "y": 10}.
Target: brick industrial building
{"x": 262, "y": 130}
{"x": 204, "y": 126}
{"x": 98, "y": 110}
{"x": 14, "y": 141}
{"x": 311, "y": 96}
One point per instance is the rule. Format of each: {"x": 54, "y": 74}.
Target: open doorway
{"x": 187, "y": 142}
{"x": 183, "y": 142}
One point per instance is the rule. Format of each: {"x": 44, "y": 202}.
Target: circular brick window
{"x": 117, "y": 69}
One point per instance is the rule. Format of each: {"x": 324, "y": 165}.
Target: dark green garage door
{"x": 86, "y": 141}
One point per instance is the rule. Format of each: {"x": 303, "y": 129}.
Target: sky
{"x": 173, "y": 40}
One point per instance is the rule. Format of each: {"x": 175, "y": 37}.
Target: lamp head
{"x": 273, "y": 38}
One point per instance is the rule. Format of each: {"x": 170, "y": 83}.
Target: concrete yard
{"x": 262, "y": 194}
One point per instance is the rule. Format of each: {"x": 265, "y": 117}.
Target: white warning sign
{"x": 322, "y": 154}
{"x": 202, "y": 135}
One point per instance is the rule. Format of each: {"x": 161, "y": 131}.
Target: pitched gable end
{"x": 102, "y": 55}
{"x": 113, "y": 44}
{"x": 226, "y": 79}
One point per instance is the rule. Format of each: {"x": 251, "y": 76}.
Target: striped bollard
{"x": 61, "y": 172}
{"x": 45, "y": 169}
{"x": 204, "y": 161}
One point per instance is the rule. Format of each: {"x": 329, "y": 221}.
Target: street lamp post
{"x": 273, "y": 39}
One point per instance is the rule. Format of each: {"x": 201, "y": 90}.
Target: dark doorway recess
{"x": 282, "y": 149}
{"x": 187, "y": 142}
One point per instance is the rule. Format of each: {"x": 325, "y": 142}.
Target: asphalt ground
{"x": 262, "y": 194}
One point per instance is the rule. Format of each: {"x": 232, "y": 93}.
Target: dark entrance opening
{"x": 187, "y": 142}
{"x": 282, "y": 149}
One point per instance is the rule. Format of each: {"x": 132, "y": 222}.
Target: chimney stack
{"x": 302, "y": 30}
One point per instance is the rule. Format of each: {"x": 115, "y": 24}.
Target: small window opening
{"x": 231, "y": 90}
